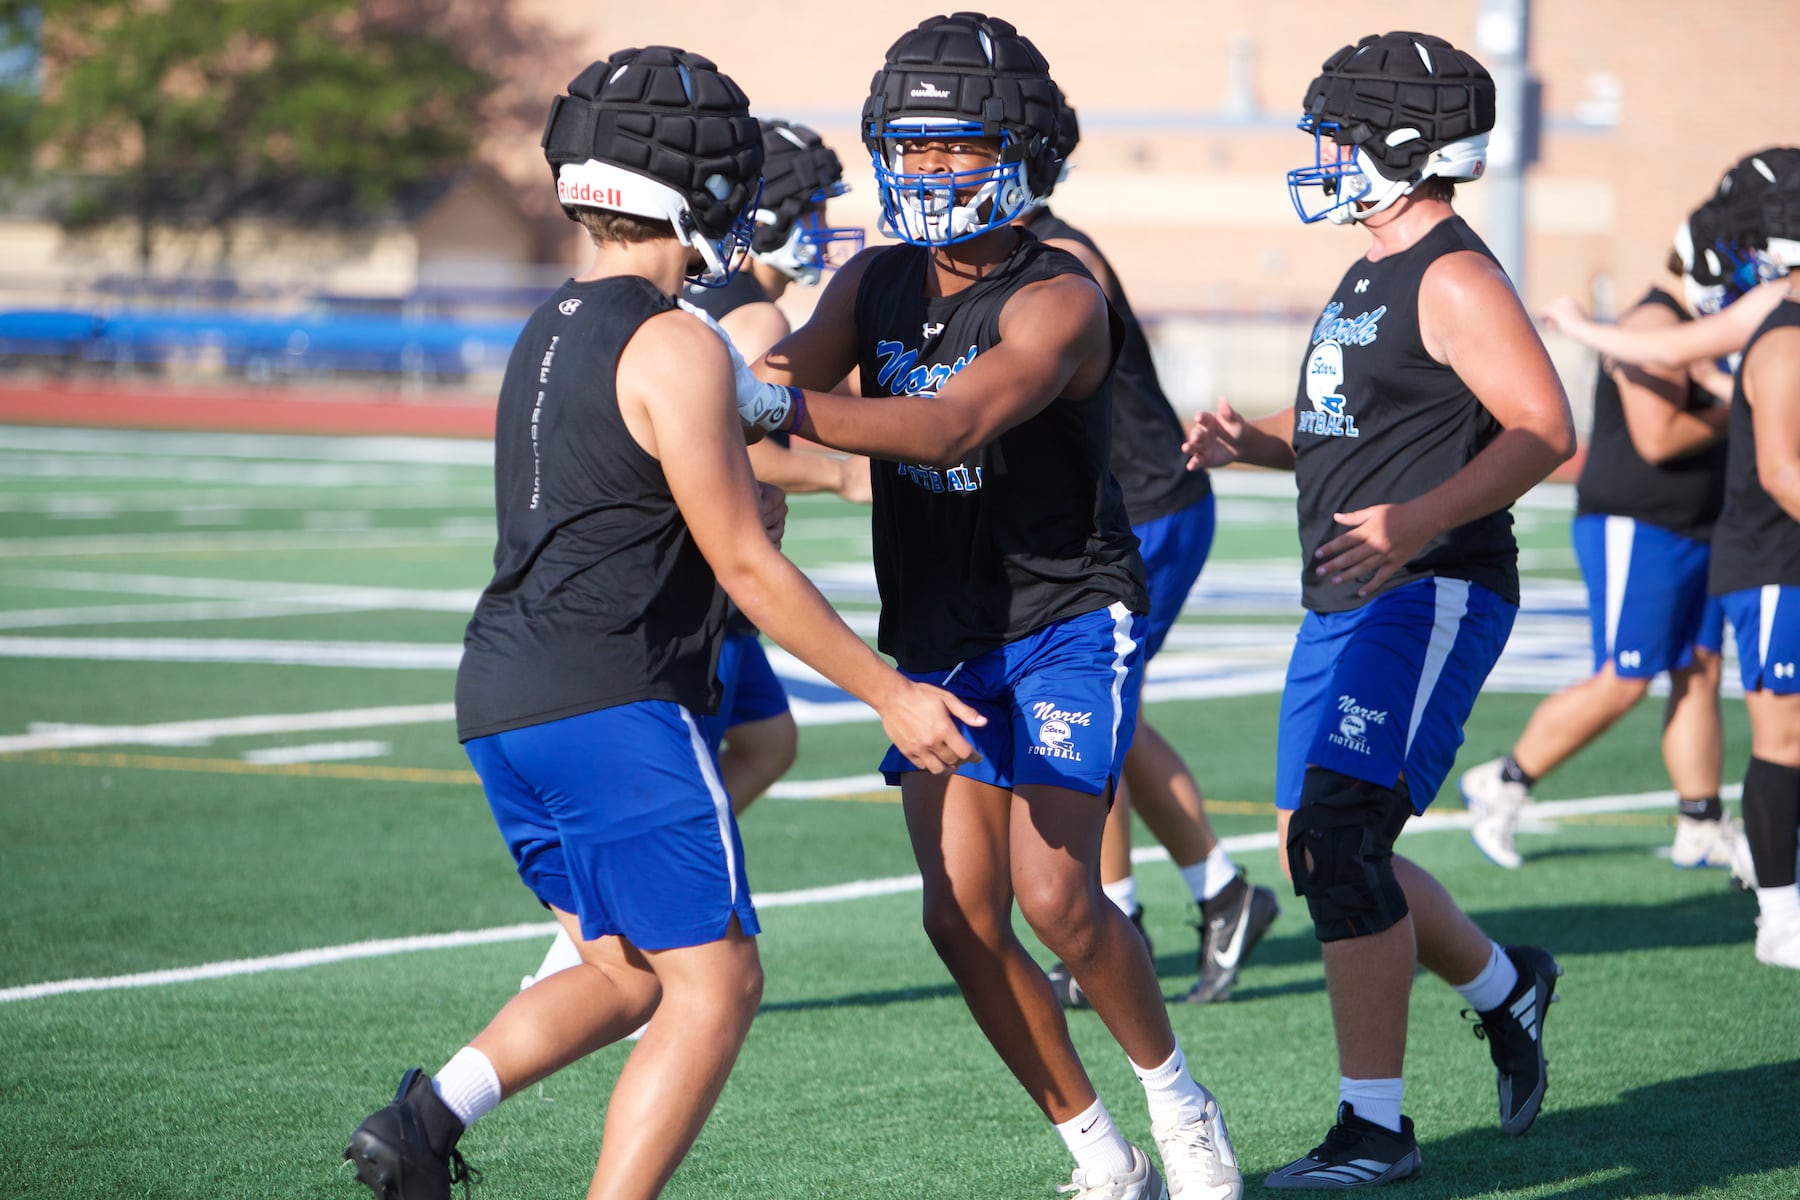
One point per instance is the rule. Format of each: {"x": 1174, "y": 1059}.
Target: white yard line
{"x": 308, "y": 722}
{"x": 318, "y": 752}
{"x": 834, "y": 894}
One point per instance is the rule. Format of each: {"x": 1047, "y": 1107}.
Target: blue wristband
{"x": 797, "y": 413}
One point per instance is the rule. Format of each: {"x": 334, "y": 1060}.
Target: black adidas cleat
{"x": 1356, "y": 1153}
{"x": 1062, "y": 982}
{"x": 1230, "y": 925}
{"x": 1515, "y": 1036}
{"x": 407, "y": 1151}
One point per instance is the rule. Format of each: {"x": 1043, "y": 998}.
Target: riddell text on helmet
{"x": 586, "y": 193}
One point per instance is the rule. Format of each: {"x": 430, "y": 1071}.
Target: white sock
{"x": 1489, "y": 989}
{"x": 561, "y": 955}
{"x": 468, "y": 1086}
{"x": 1375, "y": 1100}
{"x": 1778, "y": 905}
{"x": 1211, "y": 875}
{"x": 1123, "y": 894}
{"x": 1096, "y": 1142}
{"x": 1169, "y": 1088}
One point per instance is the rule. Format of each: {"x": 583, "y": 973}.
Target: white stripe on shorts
{"x": 1123, "y": 643}
{"x": 1620, "y": 531}
{"x": 1765, "y": 613}
{"x": 1452, "y": 601}
{"x": 709, "y": 771}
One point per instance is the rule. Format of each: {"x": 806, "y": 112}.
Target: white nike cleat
{"x": 1196, "y": 1154}
{"x": 1778, "y": 944}
{"x": 1140, "y": 1183}
{"x": 1495, "y": 804}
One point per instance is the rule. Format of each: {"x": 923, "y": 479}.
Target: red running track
{"x": 244, "y": 409}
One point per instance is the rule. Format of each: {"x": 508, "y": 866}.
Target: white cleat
{"x": 1778, "y": 945}
{"x": 1495, "y": 805}
{"x": 1196, "y": 1154}
{"x": 1721, "y": 843}
{"x": 1140, "y": 1183}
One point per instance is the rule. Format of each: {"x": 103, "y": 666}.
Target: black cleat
{"x": 1230, "y": 925}
{"x": 1515, "y": 1036}
{"x": 1356, "y": 1153}
{"x": 407, "y": 1151}
{"x": 1068, "y": 992}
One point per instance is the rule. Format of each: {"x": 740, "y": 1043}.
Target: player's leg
{"x": 1767, "y": 622}
{"x": 1118, "y": 884}
{"x": 761, "y": 740}
{"x": 1074, "y": 700}
{"x": 959, "y": 828}
{"x": 673, "y": 1077}
{"x": 1646, "y": 589}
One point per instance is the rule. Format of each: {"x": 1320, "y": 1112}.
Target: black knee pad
{"x": 1340, "y": 846}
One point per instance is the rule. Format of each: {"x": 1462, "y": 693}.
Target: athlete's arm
{"x": 1712, "y": 336}
{"x": 1222, "y": 437}
{"x": 675, "y": 393}
{"x": 1470, "y": 319}
{"x": 1771, "y": 374}
{"x": 797, "y": 470}
{"x": 1654, "y": 399}
{"x": 819, "y": 354}
{"x": 753, "y": 328}
{"x": 1055, "y": 340}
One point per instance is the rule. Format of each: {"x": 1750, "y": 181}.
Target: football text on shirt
{"x": 902, "y": 376}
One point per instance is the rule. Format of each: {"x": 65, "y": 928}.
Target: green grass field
{"x": 176, "y": 611}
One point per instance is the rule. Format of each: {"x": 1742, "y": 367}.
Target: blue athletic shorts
{"x": 618, "y": 816}
{"x": 750, "y": 690}
{"x": 1061, "y": 704}
{"x": 1647, "y": 601}
{"x": 1174, "y": 548}
{"x": 1385, "y": 688}
{"x": 1767, "y": 623}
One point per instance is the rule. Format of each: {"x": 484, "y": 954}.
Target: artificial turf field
{"x": 232, "y": 804}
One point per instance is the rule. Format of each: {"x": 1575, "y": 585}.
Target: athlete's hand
{"x": 1380, "y": 540}
{"x": 921, "y": 721}
{"x": 1564, "y": 315}
{"x": 772, "y": 502}
{"x": 1215, "y": 438}
{"x": 853, "y": 480}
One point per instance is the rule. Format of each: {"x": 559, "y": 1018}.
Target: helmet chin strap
{"x": 1352, "y": 213}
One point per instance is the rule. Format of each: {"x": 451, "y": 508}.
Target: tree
{"x": 180, "y": 106}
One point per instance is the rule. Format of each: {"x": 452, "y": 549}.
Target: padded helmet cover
{"x": 1388, "y": 84}
{"x": 670, "y": 116}
{"x": 799, "y": 170}
{"x": 971, "y": 67}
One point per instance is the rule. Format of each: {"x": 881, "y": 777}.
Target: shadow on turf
{"x": 1721, "y": 918}
{"x": 1677, "y": 1137}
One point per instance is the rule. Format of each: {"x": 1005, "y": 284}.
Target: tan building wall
{"x": 1646, "y": 103}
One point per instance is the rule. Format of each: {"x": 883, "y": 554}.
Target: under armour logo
{"x": 931, "y": 328}
{"x": 1631, "y": 660}
{"x": 1362, "y": 285}
{"x": 567, "y": 307}
{"x": 1784, "y": 670}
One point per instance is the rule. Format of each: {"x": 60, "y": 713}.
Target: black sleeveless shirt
{"x": 1146, "y": 457}
{"x": 599, "y": 595}
{"x": 1683, "y": 495}
{"x": 1756, "y": 542}
{"x": 1377, "y": 420}
{"x": 1031, "y": 528}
